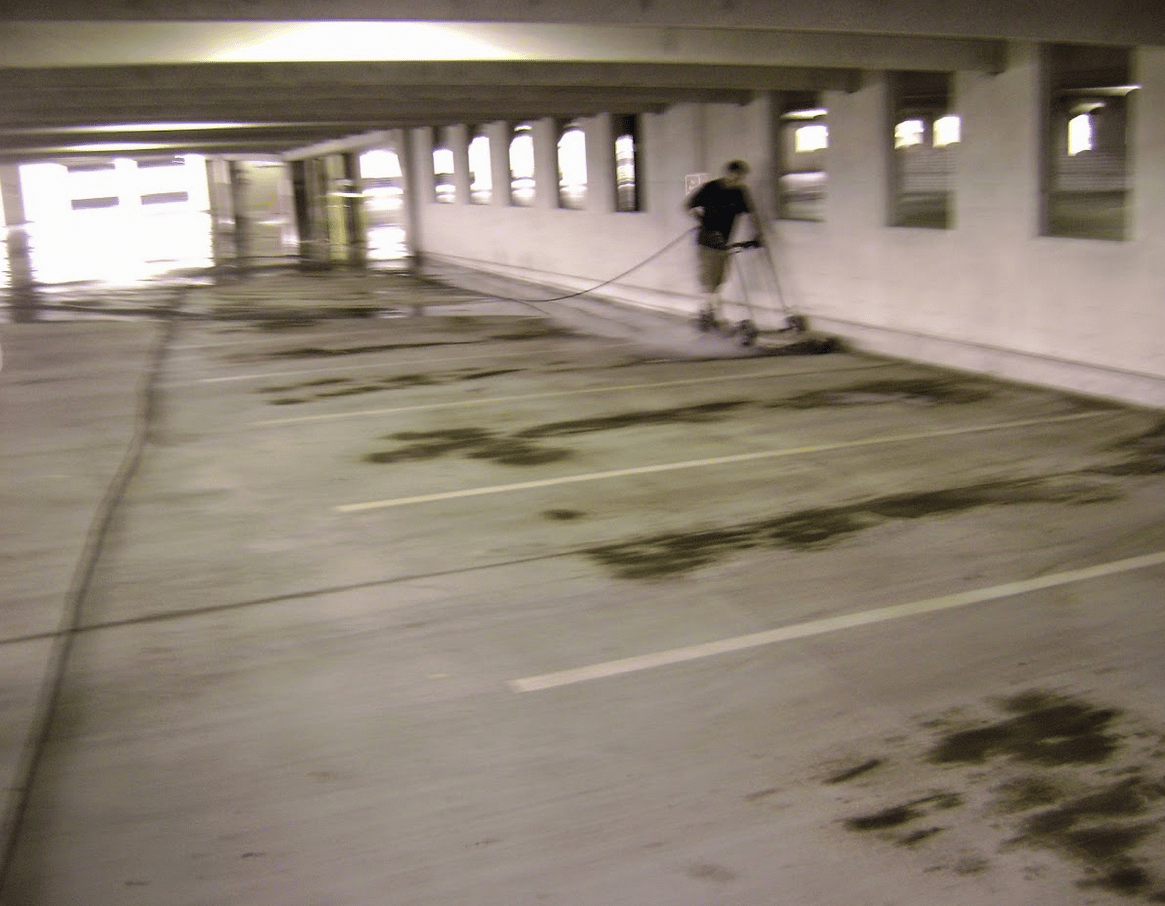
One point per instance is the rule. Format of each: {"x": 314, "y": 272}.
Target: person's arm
{"x": 695, "y": 205}
{"x": 758, "y": 233}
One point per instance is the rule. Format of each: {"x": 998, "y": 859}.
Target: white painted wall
{"x": 990, "y": 294}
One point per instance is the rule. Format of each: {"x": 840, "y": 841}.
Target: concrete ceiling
{"x": 133, "y": 85}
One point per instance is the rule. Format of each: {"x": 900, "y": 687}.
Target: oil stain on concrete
{"x": 676, "y": 553}
{"x": 916, "y": 392}
{"x": 1038, "y": 771}
{"x": 474, "y": 443}
{"x": 1141, "y": 454}
{"x": 331, "y": 387}
{"x": 522, "y": 448}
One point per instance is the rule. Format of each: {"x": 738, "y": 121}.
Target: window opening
{"x": 627, "y": 156}
{"x": 444, "y": 188}
{"x": 383, "y": 184}
{"x": 480, "y": 177}
{"x": 926, "y": 136}
{"x": 522, "y": 165}
{"x": 1086, "y": 164}
{"x": 802, "y": 142}
{"x": 572, "y": 167}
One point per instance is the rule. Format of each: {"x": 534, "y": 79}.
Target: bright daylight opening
{"x": 1079, "y": 134}
{"x": 908, "y": 133}
{"x": 522, "y": 166}
{"x": 381, "y": 177}
{"x": 947, "y": 131}
{"x": 480, "y": 178}
{"x": 810, "y": 138}
{"x": 116, "y": 222}
{"x": 572, "y": 167}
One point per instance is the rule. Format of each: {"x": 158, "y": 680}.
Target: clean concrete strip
{"x": 830, "y": 624}
{"x": 606, "y": 388}
{"x": 713, "y": 461}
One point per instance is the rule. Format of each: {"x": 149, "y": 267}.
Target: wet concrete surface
{"x": 276, "y": 551}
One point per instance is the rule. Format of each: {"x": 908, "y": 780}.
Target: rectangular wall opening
{"x": 1086, "y": 164}
{"x": 802, "y": 142}
{"x": 927, "y": 133}
{"x": 480, "y": 176}
{"x": 444, "y": 185}
{"x": 522, "y": 165}
{"x": 572, "y": 166}
{"x": 628, "y": 164}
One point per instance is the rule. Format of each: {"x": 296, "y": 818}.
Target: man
{"x": 716, "y": 205}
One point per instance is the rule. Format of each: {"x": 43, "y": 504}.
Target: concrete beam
{"x": 1117, "y": 21}
{"x": 34, "y": 44}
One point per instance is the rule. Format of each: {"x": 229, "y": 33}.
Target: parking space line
{"x": 829, "y": 624}
{"x": 711, "y": 461}
{"x": 606, "y": 388}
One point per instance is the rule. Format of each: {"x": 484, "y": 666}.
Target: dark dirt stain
{"x": 1144, "y": 454}
{"x": 538, "y": 331}
{"x": 710, "y": 871}
{"x": 700, "y": 414}
{"x": 1050, "y": 732}
{"x": 1127, "y": 799}
{"x": 1107, "y": 821}
{"x": 1090, "y": 830}
{"x": 919, "y": 835}
{"x": 476, "y": 443}
{"x": 518, "y": 448}
{"x": 563, "y": 515}
{"x": 919, "y": 391}
{"x": 681, "y": 552}
{"x": 481, "y": 375}
{"x": 897, "y": 815}
{"x": 321, "y": 352}
{"x": 1026, "y": 793}
{"x": 863, "y": 768}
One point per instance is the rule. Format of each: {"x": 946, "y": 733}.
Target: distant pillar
{"x": 355, "y": 221}
{"x": 222, "y": 215}
{"x": 21, "y": 285}
{"x": 309, "y": 182}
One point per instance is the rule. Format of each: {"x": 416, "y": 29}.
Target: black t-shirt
{"x": 721, "y": 206}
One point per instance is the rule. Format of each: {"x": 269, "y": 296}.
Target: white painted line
{"x": 606, "y": 388}
{"x": 713, "y": 461}
{"x": 829, "y": 624}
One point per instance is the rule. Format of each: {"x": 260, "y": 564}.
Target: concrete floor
{"x": 459, "y": 604}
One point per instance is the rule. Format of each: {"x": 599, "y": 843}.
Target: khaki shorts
{"x": 713, "y": 267}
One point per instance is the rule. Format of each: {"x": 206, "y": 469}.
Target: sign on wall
{"x": 693, "y": 181}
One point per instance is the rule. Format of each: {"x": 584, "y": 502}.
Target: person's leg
{"x": 713, "y": 265}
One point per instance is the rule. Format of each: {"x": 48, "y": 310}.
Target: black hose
{"x": 32, "y": 757}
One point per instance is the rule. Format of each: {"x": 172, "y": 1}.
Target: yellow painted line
{"x": 712, "y": 461}
{"x": 606, "y": 388}
{"x": 829, "y": 624}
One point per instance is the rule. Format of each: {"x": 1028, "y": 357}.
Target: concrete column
{"x": 458, "y": 138}
{"x": 600, "y": 164}
{"x": 241, "y": 226}
{"x": 334, "y": 183}
{"x": 416, "y": 162}
{"x": 356, "y": 223}
{"x": 21, "y": 285}
{"x": 222, "y": 213}
{"x": 1147, "y": 138}
{"x": 499, "y": 162}
{"x": 545, "y": 134}
{"x": 861, "y": 142}
{"x": 1002, "y": 155}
